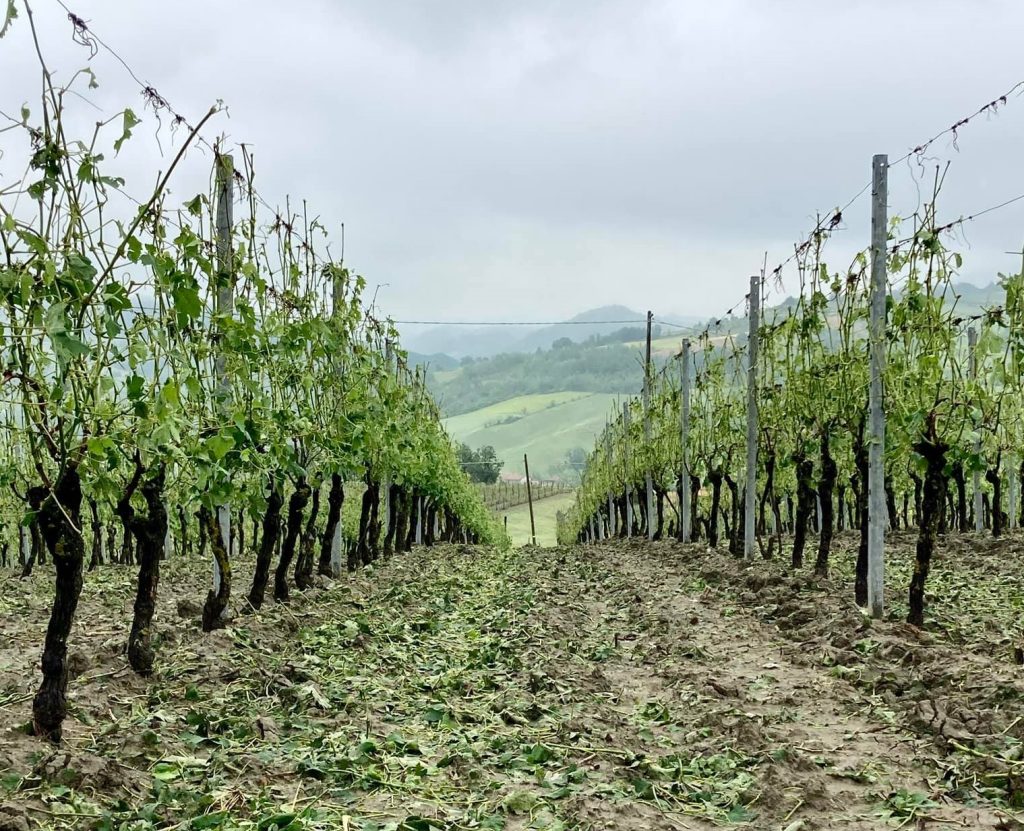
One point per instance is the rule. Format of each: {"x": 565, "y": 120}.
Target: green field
{"x": 544, "y": 426}
{"x": 545, "y": 514}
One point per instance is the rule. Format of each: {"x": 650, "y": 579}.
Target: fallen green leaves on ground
{"x": 627, "y": 686}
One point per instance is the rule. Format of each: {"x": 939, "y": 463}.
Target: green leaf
{"x": 135, "y": 387}
{"x": 69, "y": 346}
{"x": 219, "y": 446}
{"x": 115, "y": 297}
{"x": 433, "y": 715}
{"x": 166, "y": 771}
{"x": 280, "y": 822}
{"x": 215, "y": 820}
{"x": 186, "y": 301}
{"x": 130, "y": 121}
{"x": 169, "y": 394}
{"x": 12, "y": 12}
{"x": 519, "y": 802}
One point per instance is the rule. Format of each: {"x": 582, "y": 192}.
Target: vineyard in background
{"x": 204, "y": 379}
{"x": 754, "y": 441}
{"x": 504, "y": 495}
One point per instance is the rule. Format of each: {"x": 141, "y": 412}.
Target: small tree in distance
{"x": 482, "y": 465}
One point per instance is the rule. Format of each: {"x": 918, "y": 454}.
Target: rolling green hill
{"x": 545, "y": 426}
{"x": 545, "y": 517}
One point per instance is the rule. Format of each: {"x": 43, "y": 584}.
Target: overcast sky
{"x": 532, "y": 159}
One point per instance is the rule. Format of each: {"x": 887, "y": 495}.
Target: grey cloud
{"x": 535, "y": 158}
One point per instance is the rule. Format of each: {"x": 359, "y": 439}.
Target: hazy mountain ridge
{"x": 487, "y": 341}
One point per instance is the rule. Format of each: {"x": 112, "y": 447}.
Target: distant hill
{"x": 437, "y": 361}
{"x": 554, "y": 429}
{"x": 487, "y": 341}
{"x": 602, "y": 364}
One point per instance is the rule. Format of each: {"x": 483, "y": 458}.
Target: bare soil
{"x": 620, "y": 686}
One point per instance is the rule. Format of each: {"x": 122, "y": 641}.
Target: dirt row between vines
{"x": 624, "y": 686}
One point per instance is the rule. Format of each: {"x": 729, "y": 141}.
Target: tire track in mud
{"x": 717, "y": 723}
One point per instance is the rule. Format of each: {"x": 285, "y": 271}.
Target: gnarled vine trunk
{"x": 715, "y": 478}
{"x": 860, "y": 458}
{"x": 960, "y": 482}
{"x": 826, "y": 486}
{"x": 335, "y": 502}
{"x": 59, "y": 523}
{"x": 268, "y": 542}
{"x": 804, "y": 501}
{"x": 216, "y": 601}
{"x": 735, "y": 521}
{"x": 304, "y": 563}
{"x": 394, "y": 497}
{"x": 36, "y": 496}
{"x": 296, "y": 507}
{"x": 149, "y": 532}
{"x": 995, "y": 480}
{"x": 933, "y": 450}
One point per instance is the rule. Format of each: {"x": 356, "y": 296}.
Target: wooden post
{"x": 877, "y": 512}
{"x": 529, "y": 498}
{"x": 685, "y": 520}
{"x": 625, "y": 465}
{"x": 972, "y": 358}
{"x": 225, "y": 307}
{"x": 648, "y": 475}
{"x": 750, "y": 501}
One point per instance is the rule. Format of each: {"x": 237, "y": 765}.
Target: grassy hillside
{"x": 507, "y": 412}
{"x": 590, "y": 367}
{"x": 545, "y": 512}
{"x": 544, "y": 426}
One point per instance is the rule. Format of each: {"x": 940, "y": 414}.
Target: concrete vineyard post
{"x": 684, "y": 406}
{"x": 750, "y": 494}
{"x": 385, "y": 484}
{"x": 1012, "y": 486}
{"x": 877, "y": 512}
{"x": 648, "y": 475}
{"x": 529, "y": 498}
{"x": 612, "y": 517}
{"x": 337, "y": 538}
{"x": 168, "y": 537}
{"x": 972, "y": 364}
{"x": 225, "y": 300}
{"x": 625, "y": 465}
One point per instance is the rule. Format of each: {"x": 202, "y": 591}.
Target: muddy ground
{"x": 621, "y": 686}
